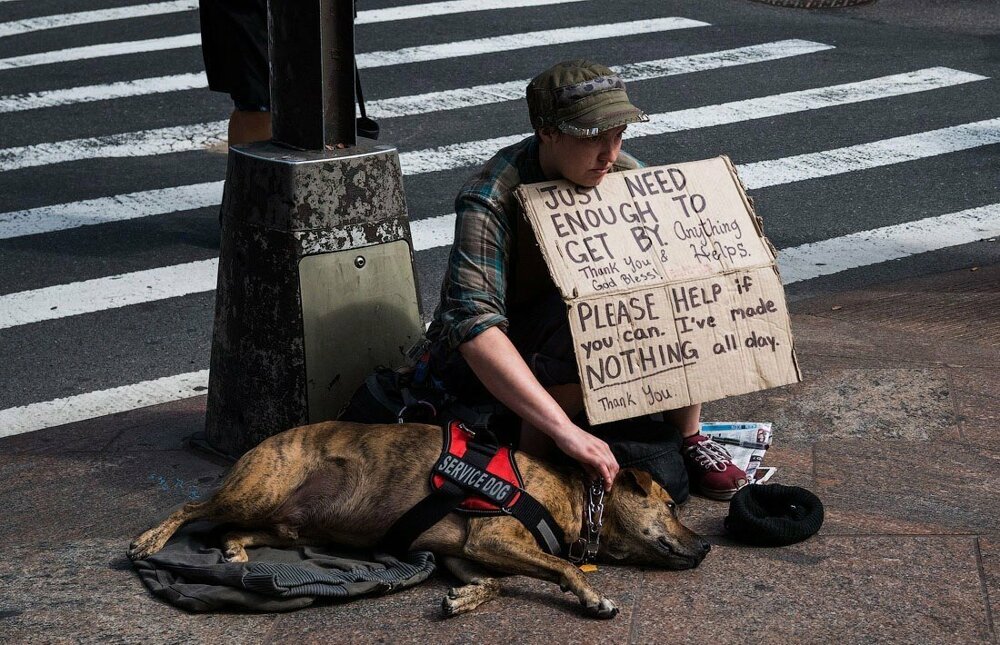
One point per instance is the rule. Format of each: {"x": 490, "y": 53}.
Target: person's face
{"x": 583, "y": 161}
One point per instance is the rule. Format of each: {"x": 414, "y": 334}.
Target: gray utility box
{"x": 316, "y": 287}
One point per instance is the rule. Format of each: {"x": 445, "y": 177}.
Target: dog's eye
{"x": 672, "y": 507}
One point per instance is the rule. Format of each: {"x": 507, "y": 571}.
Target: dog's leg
{"x": 479, "y": 587}
{"x": 517, "y": 556}
{"x": 235, "y": 543}
{"x": 153, "y": 540}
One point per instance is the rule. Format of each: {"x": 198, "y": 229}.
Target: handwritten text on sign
{"x": 672, "y": 293}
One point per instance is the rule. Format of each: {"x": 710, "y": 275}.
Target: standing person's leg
{"x": 234, "y": 48}
{"x": 247, "y": 126}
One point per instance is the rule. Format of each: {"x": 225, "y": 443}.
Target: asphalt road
{"x": 913, "y": 155}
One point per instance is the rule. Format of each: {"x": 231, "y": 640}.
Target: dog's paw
{"x": 136, "y": 552}
{"x": 144, "y": 546}
{"x": 462, "y": 599}
{"x": 235, "y": 554}
{"x": 604, "y": 608}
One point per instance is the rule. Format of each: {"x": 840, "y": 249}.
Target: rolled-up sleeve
{"x": 475, "y": 289}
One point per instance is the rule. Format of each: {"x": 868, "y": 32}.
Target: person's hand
{"x": 593, "y": 454}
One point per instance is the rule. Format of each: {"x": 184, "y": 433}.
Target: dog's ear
{"x": 642, "y": 479}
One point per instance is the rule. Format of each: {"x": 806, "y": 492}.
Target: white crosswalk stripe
{"x": 86, "y": 52}
{"x": 118, "y": 90}
{"x": 514, "y": 90}
{"x": 366, "y": 17}
{"x": 98, "y": 15}
{"x": 182, "y": 138}
{"x": 403, "y": 56}
{"x": 461, "y": 49}
{"x": 428, "y": 9}
{"x": 888, "y": 243}
{"x": 118, "y": 208}
{"x": 111, "y": 292}
{"x": 872, "y": 155}
{"x": 466, "y": 154}
{"x": 90, "y": 405}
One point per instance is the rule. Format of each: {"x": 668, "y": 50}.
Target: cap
{"x": 580, "y": 98}
{"x": 773, "y": 515}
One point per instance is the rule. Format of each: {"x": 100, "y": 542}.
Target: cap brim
{"x": 603, "y": 118}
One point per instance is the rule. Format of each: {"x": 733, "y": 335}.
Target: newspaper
{"x": 746, "y": 441}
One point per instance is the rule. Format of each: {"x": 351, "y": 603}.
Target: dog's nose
{"x": 705, "y": 547}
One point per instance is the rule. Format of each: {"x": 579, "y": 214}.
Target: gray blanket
{"x": 191, "y": 573}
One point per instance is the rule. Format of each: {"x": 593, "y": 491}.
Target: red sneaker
{"x": 711, "y": 469}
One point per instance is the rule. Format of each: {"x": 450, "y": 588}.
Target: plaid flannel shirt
{"x": 474, "y": 290}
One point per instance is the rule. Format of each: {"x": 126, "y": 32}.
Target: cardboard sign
{"x": 673, "y": 292}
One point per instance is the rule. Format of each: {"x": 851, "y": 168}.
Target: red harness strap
{"x": 500, "y": 481}
{"x": 475, "y": 476}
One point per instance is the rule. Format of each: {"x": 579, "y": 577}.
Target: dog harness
{"x": 478, "y": 476}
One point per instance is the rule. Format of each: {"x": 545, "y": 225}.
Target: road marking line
{"x": 425, "y": 53}
{"x": 448, "y": 7}
{"x": 185, "y": 138}
{"x": 431, "y": 101}
{"x": 111, "y": 292}
{"x": 369, "y": 16}
{"x": 100, "y": 15}
{"x": 86, "y": 94}
{"x": 888, "y": 243}
{"x": 381, "y": 58}
{"x": 514, "y": 90}
{"x": 474, "y": 152}
{"x": 100, "y": 51}
{"x": 182, "y": 138}
{"x": 871, "y": 155}
{"x": 118, "y": 208}
{"x": 433, "y": 232}
{"x": 796, "y": 263}
{"x": 91, "y": 405}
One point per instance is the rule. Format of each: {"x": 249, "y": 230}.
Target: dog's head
{"x": 641, "y": 526}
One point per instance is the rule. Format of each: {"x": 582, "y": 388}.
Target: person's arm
{"x": 499, "y": 366}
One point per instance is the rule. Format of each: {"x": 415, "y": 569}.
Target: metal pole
{"x": 311, "y": 49}
{"x": 316, "y": 279}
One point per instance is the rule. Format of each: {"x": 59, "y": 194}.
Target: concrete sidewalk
{"x": 893, "y": 427}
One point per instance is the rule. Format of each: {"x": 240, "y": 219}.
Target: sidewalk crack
{"x": 956, "y": 408}
{"x": 635, "y": 607}
{"x": 991, "y": 625}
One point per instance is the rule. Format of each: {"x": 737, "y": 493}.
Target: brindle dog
{"x": 346, "y": 483}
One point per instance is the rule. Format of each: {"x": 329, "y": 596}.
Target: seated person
{"x": 500, "y": 331}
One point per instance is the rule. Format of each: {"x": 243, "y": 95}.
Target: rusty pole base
{"x": 316, "y": 286}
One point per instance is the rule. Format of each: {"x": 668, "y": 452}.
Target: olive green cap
{"x": 581, "y": 98}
